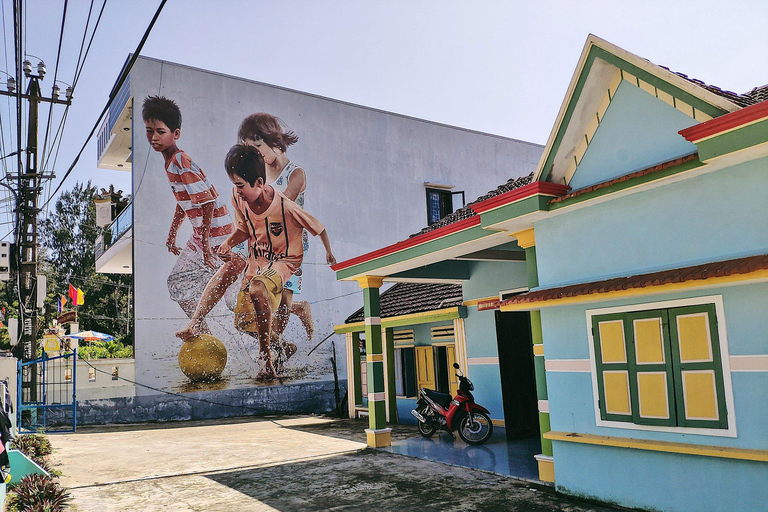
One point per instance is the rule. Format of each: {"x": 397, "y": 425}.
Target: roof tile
{"x": 408, "y": 298}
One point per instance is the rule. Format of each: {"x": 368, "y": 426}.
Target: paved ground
{"x": 266, "y": 464}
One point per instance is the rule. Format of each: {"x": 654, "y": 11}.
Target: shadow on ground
{"x": 375, "y": 480}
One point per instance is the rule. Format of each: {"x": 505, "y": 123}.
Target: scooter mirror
{"x": 456, "y": 365}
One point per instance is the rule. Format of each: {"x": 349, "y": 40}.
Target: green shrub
{"x": 105, "y": 350}
{"x": 37, "y": 493}
{"x": 34, "y": 446}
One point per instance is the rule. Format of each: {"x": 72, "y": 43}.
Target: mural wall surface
{"x": 239, "y": 267}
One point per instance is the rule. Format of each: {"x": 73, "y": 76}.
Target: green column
{"x": 391, "y": 386}
{"x": 378, "y": 435}
{"x": 538, "y": 351}
{"x": 357, "y": 383}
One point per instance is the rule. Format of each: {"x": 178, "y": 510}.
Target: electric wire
{"x": 56, "y": 76}
{"x": 112, "y": 96}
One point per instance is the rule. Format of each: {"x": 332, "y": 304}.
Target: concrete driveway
{"x": 266, "y": 464}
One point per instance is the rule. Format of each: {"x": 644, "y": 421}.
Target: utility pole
{"x": 28, "y": 188}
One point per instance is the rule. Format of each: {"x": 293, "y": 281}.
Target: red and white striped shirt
{"x": 192, "y": 190}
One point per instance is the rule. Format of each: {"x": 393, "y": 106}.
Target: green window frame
{"x": 660, "y": 367}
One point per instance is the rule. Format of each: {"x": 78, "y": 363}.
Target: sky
{"x": 499, "y": 67}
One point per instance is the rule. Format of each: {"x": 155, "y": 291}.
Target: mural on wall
{"x": 238, "y": 276}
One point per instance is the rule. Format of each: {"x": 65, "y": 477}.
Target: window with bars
{"x": 660, "y": 367}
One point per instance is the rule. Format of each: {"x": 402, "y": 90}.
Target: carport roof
{"x": 409, "y": 298}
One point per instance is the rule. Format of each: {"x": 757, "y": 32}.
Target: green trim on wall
{"x": 519, "y": 208}
{"x": 736, "y": 140}
{"x": 630, "y": 183}
{"x": 597, "y": 52}
{"x": 444, "y": 242}
{"x": 544, "y": 427}
{"x": 531, "y": 267}
{"x": 541, "y": 378}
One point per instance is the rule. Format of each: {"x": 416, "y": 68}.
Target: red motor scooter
{"x": 437, "y": 410}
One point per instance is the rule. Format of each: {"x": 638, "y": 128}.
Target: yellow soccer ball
{"x": 203, "y": 357}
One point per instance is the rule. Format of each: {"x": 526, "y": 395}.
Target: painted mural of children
{"x": 266, "y": 133}
{"x": 197, "y": 200}
{"x": 273, "y": 226}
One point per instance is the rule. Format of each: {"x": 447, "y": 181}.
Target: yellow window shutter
{"x": 453, "y": 380}
{"x": 425, "y": 368}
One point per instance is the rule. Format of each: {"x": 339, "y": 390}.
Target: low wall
{"x": 303, "y": 398}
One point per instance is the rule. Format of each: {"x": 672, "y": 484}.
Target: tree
{"x": 69, "y": 233}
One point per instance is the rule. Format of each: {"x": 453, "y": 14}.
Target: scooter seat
{"x": 442, "y": 399}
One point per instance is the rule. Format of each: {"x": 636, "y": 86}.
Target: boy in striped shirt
{"x": 197, "y": 200}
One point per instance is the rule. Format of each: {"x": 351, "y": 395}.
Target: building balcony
{"x": 114, "y": 249}
{"x": 115, "y": 142}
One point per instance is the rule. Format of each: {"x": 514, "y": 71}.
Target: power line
{"x": 112, "y": 96}
{"x": 55, "y": 76}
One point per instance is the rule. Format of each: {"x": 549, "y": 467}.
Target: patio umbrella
{"x": 91, "y": 336}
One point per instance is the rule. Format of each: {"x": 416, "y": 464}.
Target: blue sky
{"x": 500, "y": 67}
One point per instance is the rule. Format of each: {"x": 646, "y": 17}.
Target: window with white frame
{"x": 660, "y": 367}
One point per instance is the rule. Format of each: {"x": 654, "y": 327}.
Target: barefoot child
{"x": 266, "y": 133}
{"x": 197, "y": 200}
{"x": 273, "y": 226}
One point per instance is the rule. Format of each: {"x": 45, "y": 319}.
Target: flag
{"x": 60, "y": 303}
{"x": 77, "y": 295}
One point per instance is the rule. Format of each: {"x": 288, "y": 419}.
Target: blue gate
{"x": 47, "y": 394}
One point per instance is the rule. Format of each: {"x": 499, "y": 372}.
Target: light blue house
{"x": 645, "y": 231}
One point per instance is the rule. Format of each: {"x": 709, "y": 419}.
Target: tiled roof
{"x": 756, "y": 95}
{"x": 677, "y": 275}
{"x": 466, "y": 211}
{"x": 408, "y": 298}
{"x": 626, "y": 177}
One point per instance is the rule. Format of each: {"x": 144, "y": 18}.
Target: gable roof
{"x": 596, "y": 75}
{"x": 409, "y": 298}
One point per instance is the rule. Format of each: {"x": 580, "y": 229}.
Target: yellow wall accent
{"x": 660, "y": 446}
{"x": 694, "y": 338}
{"x": 612, "y": 342}
{"x": 373, "y": 358}
{"x": 525, "y": 238}
{"x": 379, "y": 438}
{"x": 546, "y": 470}
{"x": 369, "y": 281}
{"x": 616, "y": 384}
{"x": 453, "y": 380}
{"x": 652, "y": 394}
{"x": 497, "y": 423}
{"x": 475, "y": 302}
{"x": 665, "y": 97}
{"x": 538, "y": 349}
{"x": 396, "y": 321}
{"x": 649, "y": 347}
{"x": 700, "y": 397}
{"x": 761, "y": 275}
{"x": 684, "y": 107}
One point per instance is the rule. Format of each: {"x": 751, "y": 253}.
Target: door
{"x": 453, "y": 380}
{"x": 425, "y": 368}
{"x": 518, "y": 378}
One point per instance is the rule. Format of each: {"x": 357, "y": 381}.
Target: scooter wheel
{"x": 476, "y": 429}
{"x": 426, "y": 429}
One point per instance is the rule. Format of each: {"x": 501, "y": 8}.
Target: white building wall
{"x": 366, "y": 173}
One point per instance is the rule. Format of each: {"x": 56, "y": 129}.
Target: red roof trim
{"x": 726, "y": 122}
{"x": 413, "y": 241}
{"x": 537, "y": 187}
